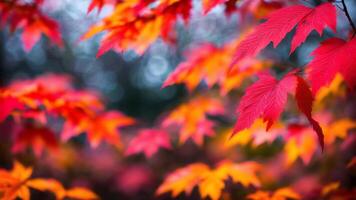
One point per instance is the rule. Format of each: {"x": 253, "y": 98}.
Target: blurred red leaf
{"x": 148, "y": 141}
{"x": 33, "y": 22}
{"x": 134, "y": 178}
{"x": 8, "y": 104}
{"x": 38, "y": 138}
{"x": 352, "y": 162}
{"x": 97, "y": 4}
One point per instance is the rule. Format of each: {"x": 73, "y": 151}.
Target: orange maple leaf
{"x": 52, "y": 185}
{"x": 101, "y": 127}
{"x": 327, "y": 189}
{"x": 210, "y": 182}
{"x": 82, "y": 110}
{"x": 13, "y": 183}
{"x": 301, "y": 142}
{"x": 141, "y": 24}
{"x": 280, "y": 194}
{"x": 256, "y": 134}
{"x": 213, "y": 64}
{"x": 192, "y": 118}
{"x": 16, "y": 183}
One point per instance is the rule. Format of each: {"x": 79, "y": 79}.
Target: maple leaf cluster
{"x": 16, "y": 183}
{"x": 146, "y": 21}
{"x": 32, "y": 21}
{"x": 201, "y": 65}
{"x": 32, "y": 103}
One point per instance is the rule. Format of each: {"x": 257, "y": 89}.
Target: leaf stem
{"x": 349, "y": 17}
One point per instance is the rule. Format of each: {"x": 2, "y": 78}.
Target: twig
{"x": 349, "y": 18}
{"x": 340, "y": 7}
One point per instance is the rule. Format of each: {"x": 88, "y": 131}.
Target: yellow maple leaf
{"x": 183, "y": 179}
{"x": 16, "y": 183}
{"x": 302, "y": 142}
{"x": 280, "y": 194}
{"x": 329, "y": 188}
{"x": 333, "y": 89}
{"x": 256, "y": 133}
{"x": 210, "y": 182}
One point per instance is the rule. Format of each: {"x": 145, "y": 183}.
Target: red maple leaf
{"x": 35, "y": 137}
{"x": 282, "y": 21}
{"x": 100, "y": 127}
{"x": 29, "y": 17}
{"x": 7, "y": 105}
{"x": 333, "y": 56}
{"x": 305, "y": 99}
{"x": 97, "y": 4}
{"x": 267, "y": 97}
{"x": 149, "y": 141}
{"x": 42, "y": 25}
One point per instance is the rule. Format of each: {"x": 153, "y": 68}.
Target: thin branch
{"x": 343, "y": 10}
{"x": 349, "y": 17}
